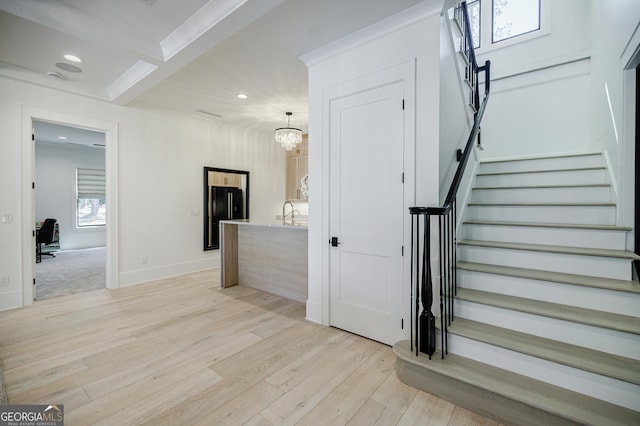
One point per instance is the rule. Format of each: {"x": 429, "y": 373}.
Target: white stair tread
{"x": 543, "y": 396}
{"x": 558, "y": 277}
{"x": 518, "y": 172}
{"x": 595, "y": 185}
{"x": 609, "y": 320}
{"x": 542, "y": 204}
{"x": 545, "y": 157}
{"x": 602, "y": 363}
{"x": 584, "y": 251}
{"x": 548, "y": 225}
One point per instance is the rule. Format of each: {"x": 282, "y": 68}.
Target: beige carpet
{"x": 71, "y": 272}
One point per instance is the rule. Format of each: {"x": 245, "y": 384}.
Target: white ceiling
{"x": 49, "y": 133}
{"x": 184, "y": 55}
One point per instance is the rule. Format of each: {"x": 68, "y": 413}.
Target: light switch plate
{"x": 6, "y": 218}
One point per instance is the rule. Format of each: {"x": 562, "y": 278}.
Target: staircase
{"x": 547, "y": 314}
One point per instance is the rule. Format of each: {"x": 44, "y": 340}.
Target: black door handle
{"x": 334, "y": 242}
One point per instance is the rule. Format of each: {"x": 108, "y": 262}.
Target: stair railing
{"x": 423, "y": 334}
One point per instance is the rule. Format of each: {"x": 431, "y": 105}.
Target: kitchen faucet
{"x": 283, "y": 208}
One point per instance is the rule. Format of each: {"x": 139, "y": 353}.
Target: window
{"x": 495, "y": 21}
{"x": 512, "y": 18}
{"x": 91, "y": 208}
{"x": 473, "y": 7}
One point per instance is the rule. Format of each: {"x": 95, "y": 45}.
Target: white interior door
{"x": 367, "y": 211}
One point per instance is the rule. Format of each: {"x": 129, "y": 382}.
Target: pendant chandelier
{"x": 288, "y": 136}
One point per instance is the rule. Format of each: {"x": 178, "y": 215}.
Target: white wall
{"x": 161, "y": 157}
{"x": 616, "y": 38}
{"x": 540, "y": 96}
{"x": 411, "y": 36}
{"x": 543, "y": 112}
{"x": 164, "y": 172}
{"x": 563, "y": 37}
{"x": 56, "y": 166}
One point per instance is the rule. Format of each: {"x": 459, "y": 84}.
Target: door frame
{"x": 27, "y": 178}
{"x": 629, "y": 194}
{"x": 406, "y": 73}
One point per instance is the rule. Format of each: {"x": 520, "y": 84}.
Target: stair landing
{"x": 504, "y": 396}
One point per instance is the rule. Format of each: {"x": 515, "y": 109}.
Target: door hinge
{"x": 403, "y": 250}
{"x": 402, "y": 177}
{"x": 34, "y": 281}
{"x": 33, "y": 233}
{"x": 33, "y": 136}
{"x": 33, "y": 185}
{"x": 402, "y": 323}
{"x": 403, "y": 104}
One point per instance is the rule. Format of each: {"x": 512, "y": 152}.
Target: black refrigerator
{"x": 226, "y": 203}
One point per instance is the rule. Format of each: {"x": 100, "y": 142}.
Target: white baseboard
{"x": 166, "y": 271}
{"x": 314, "y": 311}
{"x": 10, "y": 300}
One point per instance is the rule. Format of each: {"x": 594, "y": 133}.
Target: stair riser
{"x": 555, "y": 163}
{"x": 591, "y": 215}
{"x": 507, "y": 408}
{"x": 598, "y": 194}
{"x": 595, "y": 266}
{"x": 584, "y": 177}
{"x": 600, "y": 339}
{"x": 592, "y": 238}
{"x": 594, "y": 385}
{"x": 565, "y": 294}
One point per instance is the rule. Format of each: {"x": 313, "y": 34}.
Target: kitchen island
{"x": 269, "y": 257}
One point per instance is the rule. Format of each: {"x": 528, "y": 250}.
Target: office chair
{"x": 45, "y": 236}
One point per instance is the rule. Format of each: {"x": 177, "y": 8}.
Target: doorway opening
{"x": 109, "y": 129}
{"x": 70, "y": 195}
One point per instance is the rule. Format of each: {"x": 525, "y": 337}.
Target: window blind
{"x": 90, "y": 183}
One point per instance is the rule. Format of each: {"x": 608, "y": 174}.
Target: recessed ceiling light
{"x": 242, "y": 96}
{"x": 72, "y": 58}
{"x": 62, "y": 138}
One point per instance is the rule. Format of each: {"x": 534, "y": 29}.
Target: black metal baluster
{"x": 427, "y": 320}
{"x": 417, "y": 311}
{"x": 411, "y": 280}
{"x": 443, "y": 286}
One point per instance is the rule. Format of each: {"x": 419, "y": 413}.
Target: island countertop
{"x": 267, "y": 256}
{"x": 295, "y": 224}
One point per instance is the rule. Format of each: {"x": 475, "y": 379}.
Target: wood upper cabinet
{"x": 233, "y": 180}
{"x": 297, "y": 166}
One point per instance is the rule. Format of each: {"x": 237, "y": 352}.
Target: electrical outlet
{"x": 145, "y": 260}
{"x": 4, "y": 280}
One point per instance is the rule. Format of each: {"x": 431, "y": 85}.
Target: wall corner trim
{"x": 403, "y": 19}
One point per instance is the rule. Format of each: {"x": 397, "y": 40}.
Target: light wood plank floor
{"x": 182, "y": 351}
